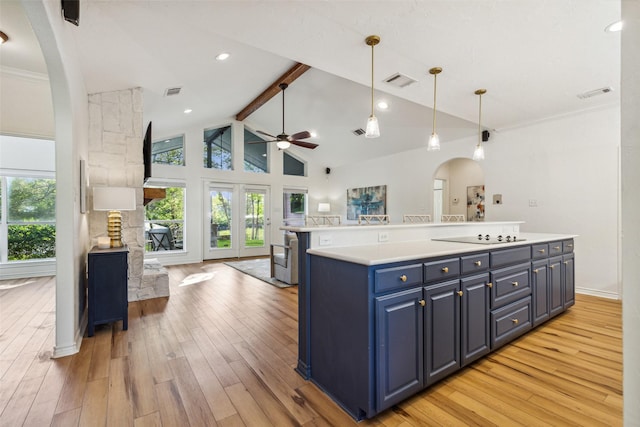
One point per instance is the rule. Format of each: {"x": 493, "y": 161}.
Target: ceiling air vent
{"x": 595, "y": 92}
{"x": 358, "y": 132}
{"x": 400, "y": 80}
{"x": 172, "y": 91}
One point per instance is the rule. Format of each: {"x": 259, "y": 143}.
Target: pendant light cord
{"x": 435, "y": 76}
{"x": 480, "y": 121}
{"x": 372, "y": 45}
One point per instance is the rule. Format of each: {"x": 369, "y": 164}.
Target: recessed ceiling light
{"x": 223, "y": 56}
{"x": 3, "y": 37}
{"x": 383, "y": 105}
{"x": 188, "y": 110}
{"x": 613, "y": 27}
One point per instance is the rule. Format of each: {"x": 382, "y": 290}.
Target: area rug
{"x": 258, "y": 268}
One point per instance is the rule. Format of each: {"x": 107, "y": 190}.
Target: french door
{"x": 237, "y": 222}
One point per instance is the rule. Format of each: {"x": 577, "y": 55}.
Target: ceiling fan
{"x": 283, "y": 140}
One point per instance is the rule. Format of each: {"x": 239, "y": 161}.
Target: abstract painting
{"x": 475, "y": 203}
{"x": 366, "y": 201}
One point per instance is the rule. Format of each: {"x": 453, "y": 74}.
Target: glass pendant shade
{"x": 434, "y": 142}
{"x": 478, "y": 153}
{"x": 373, "y": 130}
{"x": 283, "y": 145}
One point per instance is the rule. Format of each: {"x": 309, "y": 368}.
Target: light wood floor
{"x": 221, "y": 351}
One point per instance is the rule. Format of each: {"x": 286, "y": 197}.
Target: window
{"x": 294, "y": 206}
{"x": 168, "y": 151}
{"x": 293, "y": 166}
{"x": 27, "y": 218}
{"x": 255, "y": 155}
{"x": 164, "y": 222}
{"x": 217, "y": 148}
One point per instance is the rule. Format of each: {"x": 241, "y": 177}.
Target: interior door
{"x": 237, "y": 221}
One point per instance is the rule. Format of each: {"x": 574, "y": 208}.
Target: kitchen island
{"x": 380, "y": 322}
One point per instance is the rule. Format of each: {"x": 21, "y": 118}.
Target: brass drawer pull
{"x": 445, "y": 269}
{"x": 535, "y": 271}
{"x": 557, "y": 248}
{"x": 541, "y": 251}
{"x": 478, "y": 263}
{"x": 422, "y": 302}
{"x": 403, "y": 277}
{"x": 515, "y": 321}
{"x": 570, "y": 245}
{"x": 460, "y": 293}
{"x": 552, "y": 266}
{"x": 514, "y": 283}
{"x": 566, "y": 263}
{"x": 490, "y": 285}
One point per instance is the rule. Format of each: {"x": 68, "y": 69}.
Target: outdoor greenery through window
{"x": 294, "y": 207}
{"x": 27, "y": 218}
{"x": 164, "y": 222}
{"x": 168, "y": 151}
{"x": 255, "y": 155}
{"x": 217, "y": 148}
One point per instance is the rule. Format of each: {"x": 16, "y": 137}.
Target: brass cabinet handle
{"x": 535, "y": 271}
{"x": 490, "y": 285}
{"x": 403, "y": 277}
{"x": 552, "y": 266}
{"x": 570, "y": 245}
{"x": 514, "y": 283}
{"x": 541, "y": 251}
{"x": 460, "y": 293}
{"x": 422, "y": 302}
{"x": 566, "y": 263}
{"x": 515, "y": 321}
{"x": 557, "y": 248}
{"x": 478, "y": 263}
{"x": 445, "y": 269}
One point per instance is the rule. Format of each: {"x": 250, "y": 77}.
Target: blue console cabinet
{"x": 108, "y": 281}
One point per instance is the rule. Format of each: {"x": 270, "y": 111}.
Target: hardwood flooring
{"x": 221, "y": 351}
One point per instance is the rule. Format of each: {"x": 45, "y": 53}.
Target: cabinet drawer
{"x": 510, "y": 322}
{"x": 510, "y": 256}
{"x": 474, "y": 263}
{"x": 443, "y": 269}
{"x": 398, "y": 277}
{"x": 567, "y": 246}
{"x": 540, "y": 251}
{"x": 555, "y": 248}
{"x": 510, "y": 284}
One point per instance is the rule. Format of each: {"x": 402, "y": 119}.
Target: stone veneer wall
{"x": 115, "y": 160}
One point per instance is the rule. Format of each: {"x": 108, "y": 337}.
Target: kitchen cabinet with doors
{"x": 381, "y": 333}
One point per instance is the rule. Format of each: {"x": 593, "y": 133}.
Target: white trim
{"x": 24, "y": 74}
{"x": 22, "y": 269}
{"x": 598, "y": 293}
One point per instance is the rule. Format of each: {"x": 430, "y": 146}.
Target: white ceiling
{"x": 532, "y": 56}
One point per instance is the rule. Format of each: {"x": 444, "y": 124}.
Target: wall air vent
{"x": 400, "y": 80}
{"x": 172, "y": 91}
{"x": 358, "y": 132}
{"x": 595, "y": 92}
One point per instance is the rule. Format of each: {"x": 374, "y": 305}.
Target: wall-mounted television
{"x": 146, "y": 153}
{"x": 71, "y": 11}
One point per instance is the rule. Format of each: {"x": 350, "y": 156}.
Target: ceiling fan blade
{"x": 300, "y": 135}
{"x": 304, "y": 144}
{"x": 266, "y": 134}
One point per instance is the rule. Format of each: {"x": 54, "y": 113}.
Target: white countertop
{"x": 383, "y": 253}
{"x": 364, "y": 227}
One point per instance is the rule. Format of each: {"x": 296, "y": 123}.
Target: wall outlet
{"x": 497, "y": 199}
{"x": 325, "y": 240}
{"x": 383, "y": 236}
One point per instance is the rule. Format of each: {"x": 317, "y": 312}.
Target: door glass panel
{"x": 221, "y": 214}
{"x": 254, "y": 218}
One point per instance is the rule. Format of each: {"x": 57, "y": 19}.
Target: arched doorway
{"x": 458, "y": 189}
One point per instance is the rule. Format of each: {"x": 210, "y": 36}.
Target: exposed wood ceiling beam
{"x": 288, "y": 77}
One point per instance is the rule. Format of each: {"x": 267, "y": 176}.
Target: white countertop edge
{"x": 386, "y": 253}
{"x": 352, "y": 226}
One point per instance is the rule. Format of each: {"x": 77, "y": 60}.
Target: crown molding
{"x": 24, "y": 74}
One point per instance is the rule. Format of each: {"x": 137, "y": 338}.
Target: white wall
{"x": 630, "y": 206}
{"x": 71, "y": 133}
{"x": 17, "y": 117}
{"x": 568, "y": 165}
{"x": 27, "y": 154}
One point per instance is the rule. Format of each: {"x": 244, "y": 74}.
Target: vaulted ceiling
{"x": 534, "y": 57}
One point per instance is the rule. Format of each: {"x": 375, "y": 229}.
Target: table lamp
{"x": 114, "y": 200}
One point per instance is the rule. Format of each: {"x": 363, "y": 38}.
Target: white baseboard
{"x": 598, "y": 293}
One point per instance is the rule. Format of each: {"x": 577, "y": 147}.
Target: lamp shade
{"x": 114, "y": 199}
{"x": 324, "y": 207}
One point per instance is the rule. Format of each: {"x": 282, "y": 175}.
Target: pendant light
{"x": 372, "y": 130}
{"x": 434, "y": 139}
{"x": 478, "y": 154}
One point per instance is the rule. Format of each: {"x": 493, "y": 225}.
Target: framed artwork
{"x": 366, "y": 201}
{"x": 475, "y": 203}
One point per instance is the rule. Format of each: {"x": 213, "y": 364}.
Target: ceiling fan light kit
{"x": 434, "y": 139}
{"x": 373, "y": 129}
{"x": 478, "y": 153}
